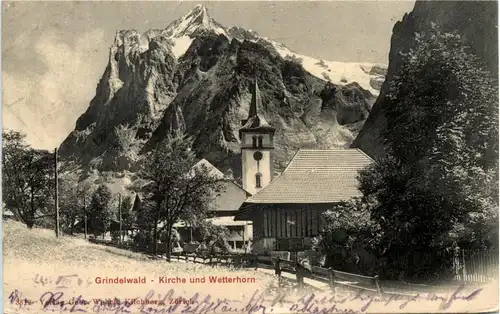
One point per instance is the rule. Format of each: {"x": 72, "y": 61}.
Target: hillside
{"x": 476, "y": 21}
{"x": 36, "y": 258}
{"x": 195, "y": 75}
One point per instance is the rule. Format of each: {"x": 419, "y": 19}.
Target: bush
{"x": 349, "y": 240}
{"x": 115, "y": 237}
{"x": 215, "y": 238}
{"x": 142, "y": 241}
{"x": 176, "y": 237}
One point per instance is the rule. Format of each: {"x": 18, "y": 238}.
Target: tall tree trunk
{"x": 150, "y": 231}
{"x": 30, "y": 221}
{"x": 169, "y": 240}
{"x": 155, "y": 233}
{"x": 155, "y": 237}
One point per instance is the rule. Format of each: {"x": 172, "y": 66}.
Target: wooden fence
{"x": 476, "y": 266}
{"x": 470, "y": 266}
{"x": 332, "y": 277}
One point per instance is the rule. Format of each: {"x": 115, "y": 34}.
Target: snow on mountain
{"x": 196, "y": 20}
{"x": 181, "y": 45}
{"x": 340, "y": 73}
{"x": 182, "y": 31}
{"x": 194, "y": 75}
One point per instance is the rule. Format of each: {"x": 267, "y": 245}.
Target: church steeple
{"x": 255, "y": 121}
{"x": 257, "y": 143}
{"x": 256, "y": 101}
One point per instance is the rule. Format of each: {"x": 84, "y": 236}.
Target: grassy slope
{"x": 38, "y": 251}
{"x": 31, "y": 252}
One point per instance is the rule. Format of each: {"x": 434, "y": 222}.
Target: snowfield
{"x": 180, "y": 32}
{"x": 340, "y": 73}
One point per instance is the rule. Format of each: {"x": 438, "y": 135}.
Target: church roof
{"x": 255, "y": 121}
{"x": 316, "y": 176}
{"x": 212, "y": 170}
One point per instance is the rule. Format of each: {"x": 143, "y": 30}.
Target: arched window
{"x": 260, "y": 141}
{"x": 254, "y": 141}
{"x": 258, "y": 182}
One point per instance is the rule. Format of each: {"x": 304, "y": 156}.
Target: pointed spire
{"x": 256, "y": 101}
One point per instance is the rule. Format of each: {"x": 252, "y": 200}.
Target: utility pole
{"x": 56, "y": 198}
{"x": 120, "y": 213}
{"x": 85, "y": 215}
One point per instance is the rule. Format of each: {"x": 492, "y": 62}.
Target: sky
{"x": 54, "y": 53}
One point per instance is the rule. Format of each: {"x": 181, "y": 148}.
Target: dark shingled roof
{"x": 316, "y": 176}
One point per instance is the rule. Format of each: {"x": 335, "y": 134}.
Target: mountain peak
{"x": 195, "y": 20}
{"x": 200, "y": 9}
{"x": 198, "y": 15}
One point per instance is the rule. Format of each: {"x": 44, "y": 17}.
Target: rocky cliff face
{"x": 195, "y": 76}
{"x": 476, "y": 21}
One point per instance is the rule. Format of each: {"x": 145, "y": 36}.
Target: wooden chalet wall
{"x": 289, "y": 224}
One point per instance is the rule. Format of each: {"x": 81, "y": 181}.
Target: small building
{"x": 288, "y": 210}
{"x": 224, "y": 209}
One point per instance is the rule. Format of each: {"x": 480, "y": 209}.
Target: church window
{"x": 260, "y": 141}
{"x": 254, "y": 141}
{"x": 258, "y": 182}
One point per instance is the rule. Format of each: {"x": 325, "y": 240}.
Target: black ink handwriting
{"x": 457, "y": 296}
{"x": 53, "y": 302}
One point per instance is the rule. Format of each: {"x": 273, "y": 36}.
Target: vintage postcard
{"x": 250, "y": 157}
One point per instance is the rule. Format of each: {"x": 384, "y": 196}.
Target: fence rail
{"x": 334, "y": 278}
{"x": 470, "y": 266}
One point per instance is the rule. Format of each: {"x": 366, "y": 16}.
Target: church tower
{"x": 257, "y": 144}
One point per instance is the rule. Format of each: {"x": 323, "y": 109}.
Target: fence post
{"x": 377, "y": 284}
{"x": 277, "y": 269}
{"x": 331, "y": 279}
{"x": 300, "y": 276}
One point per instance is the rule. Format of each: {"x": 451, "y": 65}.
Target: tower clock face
{"x": 257, "y": 156}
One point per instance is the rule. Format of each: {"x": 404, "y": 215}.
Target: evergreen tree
{"x": 438, "y": 188}
{"x": 127, "y": 215}
{"x": 100, "y": 212}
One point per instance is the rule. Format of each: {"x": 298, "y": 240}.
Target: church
{"x": 286, "y": 211}
{"x": 281, "y": 213}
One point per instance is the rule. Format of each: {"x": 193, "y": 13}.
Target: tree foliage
{"x": 214, "y": 237}
{"x": 442, "y": 133}
{"x": 177, "y": 190}
{"x": 126, "y": 210}
{"x": 437, "y": 189}
{"x": 72, "y": 192}
{"x": 100, "y": 211}
{"x": 27, "y": 178}
{"x": 441, "y": 175}
{"x": 348, "y": 227}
